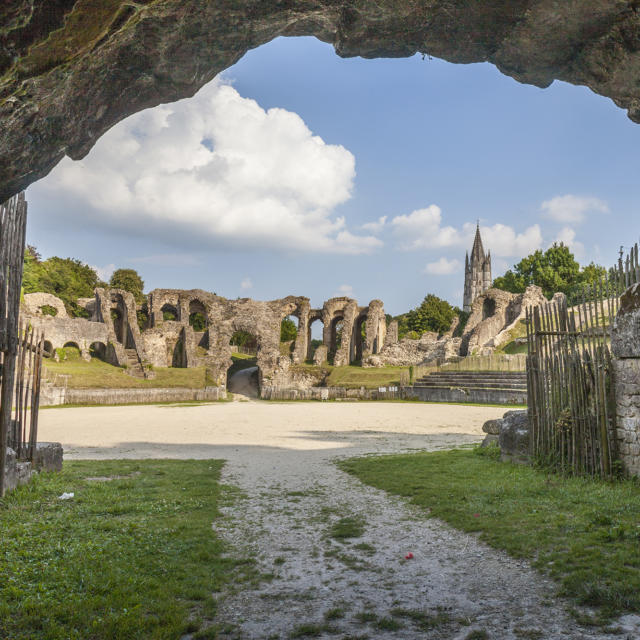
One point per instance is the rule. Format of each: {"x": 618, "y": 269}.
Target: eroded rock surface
{"x": 71, "y": 69}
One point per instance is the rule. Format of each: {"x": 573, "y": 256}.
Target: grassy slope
{"x": 585, "y": 533}
{"x": 99, "y": 374}
{"x": 131, "y": 558}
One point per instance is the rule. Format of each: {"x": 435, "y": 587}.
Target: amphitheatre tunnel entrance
{"x": 506, "y": 34}
{"x": 243, "y": 376}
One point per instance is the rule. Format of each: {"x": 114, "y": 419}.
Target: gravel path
{"x": 281, "y": 456}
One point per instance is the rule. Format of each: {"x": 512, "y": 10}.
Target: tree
{"x": 129, "y": 280}
{"x": 434, "y": 314}
{"x": 66, "y": 278}
{"x": 288, "y": 330}
{"x": 554, "y": 270}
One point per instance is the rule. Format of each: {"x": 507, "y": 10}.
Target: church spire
{"x": 477, "y": 271}
{"x": 477, "y": 253}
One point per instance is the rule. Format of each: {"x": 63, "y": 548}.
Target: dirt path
{"x": 282, "y": 458}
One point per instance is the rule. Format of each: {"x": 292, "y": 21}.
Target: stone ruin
{"x": 494, "y": 315}
{"x": 350, "y": 332}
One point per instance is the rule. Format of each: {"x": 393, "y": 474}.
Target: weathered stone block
{"x": 492, "y": 427}
{"x": 490, "y": 440}
{"x": 48, "y": 456}
{"x": 514, "y": 437}
{"x": 625, "y": 342}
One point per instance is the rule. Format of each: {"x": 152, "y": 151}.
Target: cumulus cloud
{"x": 246, "y": 284}
{"x": 377, "y": 226}
{"x": 216, "y": 170}
{"x": 567, "y": 236}
{"x": 423, "y": 229}
{"x": 443, "y": 267}
{"x": 571, "y": 208}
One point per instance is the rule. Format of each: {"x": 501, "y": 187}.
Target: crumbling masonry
{"x": 168, "y": 339}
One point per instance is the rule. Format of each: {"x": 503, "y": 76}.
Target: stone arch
{"x": 169, "y": 312}
{"x": 47, "y": 349}
{"x": 244, "y": 375}
{"x": 359, "y": 337}
{"x": 314, "y": 343}
{"x": 198, "y": 317}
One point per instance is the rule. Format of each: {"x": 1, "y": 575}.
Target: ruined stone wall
{"x": 625, "y": 345}
{"x": 175, "y": 343}
{"x": 33, "y": 303}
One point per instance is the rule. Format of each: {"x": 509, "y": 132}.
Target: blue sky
{"x": 242, "y": 198}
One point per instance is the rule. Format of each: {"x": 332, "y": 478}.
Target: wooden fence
{"x": 23, "y": 428}
{"x": 569, "y": 376}
{"x": 13, "y": 218}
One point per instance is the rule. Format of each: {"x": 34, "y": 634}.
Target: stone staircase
{"x": 134, "y": 366}
{"x": 494, "y": 387}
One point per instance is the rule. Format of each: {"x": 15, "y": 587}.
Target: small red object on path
{"x": 409, "y": 556}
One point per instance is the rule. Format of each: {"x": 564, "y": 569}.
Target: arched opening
{"x": 288, "y": 334}
{"x": 335, "y": 340}
{"x": 316, "y": 336}
{"x": 47, "y": 350}
{"x": 169, "y": 313}
{"x": 488, "y": 308}
{"x": 243, "y": 376}
{"x": 359, "y": 338}
{"x": 71, "y": 351}
{"x": 98, "y": 350}
{"x": 198, "y": 316}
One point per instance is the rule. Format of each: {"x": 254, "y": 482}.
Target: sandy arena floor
{"x": 280, "y": 456}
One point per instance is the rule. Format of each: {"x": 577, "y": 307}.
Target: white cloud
{"x": 246, "y": 284}
{"x": 345, "y": 290}
{"x": 215, "y": 170}
{"x": 571, "y": 208}
{"x": 423, "y": 229}
{"x": 377, "y": 226}
{"x": 105, "y": 273}
{"x": 567, "y": 236}
{"x": 443, "y": 267}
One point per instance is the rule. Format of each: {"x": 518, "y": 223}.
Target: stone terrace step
{"x": 476, "y": 385}
{"x": 505, "y": 380}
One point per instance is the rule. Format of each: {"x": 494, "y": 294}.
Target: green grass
{"x": 98, "y": 374}
{"x": 347, "y": 527}
{"x": 584, "y": 533}
{"x": 354, "y": 377}
{"x": 134, "y": 557}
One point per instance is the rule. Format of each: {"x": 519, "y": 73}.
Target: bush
{"x": 48, "y": 310}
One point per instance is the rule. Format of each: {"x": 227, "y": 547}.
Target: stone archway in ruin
{"x": 62, "y": 87}
{"x": 244, "y": 375}
{"x": 314, "y": 343}
{"x": 359, "y": 337}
